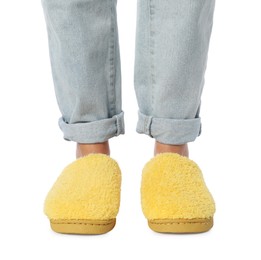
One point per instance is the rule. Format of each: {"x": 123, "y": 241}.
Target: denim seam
{"x": 112, "y": 101}
{"x": 118, "y": 130}
{"x": 152, "y": 50}
{"x": 144, "y": 125}
{"x": 149, "y": 122}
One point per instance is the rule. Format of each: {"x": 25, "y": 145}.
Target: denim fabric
{"x": 172, "y": 41}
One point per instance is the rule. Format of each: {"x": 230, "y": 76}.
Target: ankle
{"x": 85, "y": 149}
{"x": 169, "y": 148}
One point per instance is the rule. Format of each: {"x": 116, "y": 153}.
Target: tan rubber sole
{"x": 83, "y": 227}
{"x": 181, "y": 226}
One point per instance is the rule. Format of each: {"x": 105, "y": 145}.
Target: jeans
{"x": 171, "y": 49}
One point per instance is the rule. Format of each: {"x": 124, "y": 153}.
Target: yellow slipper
{"x": 174, "y": 196}
{"x": 85, "y": 198}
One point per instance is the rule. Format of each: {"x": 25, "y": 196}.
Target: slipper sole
{"x": 84, "y": 227}
{"x": 181, "y": 226}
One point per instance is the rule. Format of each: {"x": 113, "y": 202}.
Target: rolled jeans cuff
{"x": 168, "y": 130}
{"x": 95, "y": 131}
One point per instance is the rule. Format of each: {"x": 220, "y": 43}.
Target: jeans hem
{"x": 95, "y": 131}
{"x": 168, "y": 130}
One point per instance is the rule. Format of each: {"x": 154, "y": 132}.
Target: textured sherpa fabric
{"x": 88, "y": 188}
{"x": 173, "y": 188}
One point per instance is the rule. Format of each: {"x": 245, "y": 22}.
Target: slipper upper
{"x": 173, "y": 188}
{"x": 88, "y": 188}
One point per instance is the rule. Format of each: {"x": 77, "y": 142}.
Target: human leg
{"x": 85, "y": 60}
{"x": 172, "y": 44}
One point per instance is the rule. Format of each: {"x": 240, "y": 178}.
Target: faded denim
{"x": 172, "y": 42}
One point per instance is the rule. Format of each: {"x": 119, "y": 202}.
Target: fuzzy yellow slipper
{"x": 85, "y": 198}
{"x": 174, "y": 196}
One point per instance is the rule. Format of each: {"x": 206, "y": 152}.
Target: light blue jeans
{"x": 172, "y": 42}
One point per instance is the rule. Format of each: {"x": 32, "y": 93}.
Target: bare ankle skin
{"x": 85, "y": 149}
{"x": 163, "y": 148}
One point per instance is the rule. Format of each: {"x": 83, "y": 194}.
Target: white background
{"x": 33, "y": 152}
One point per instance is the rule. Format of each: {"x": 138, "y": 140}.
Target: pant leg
{"x": 172, "y": 41}
{"x": 85, "y": 62}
